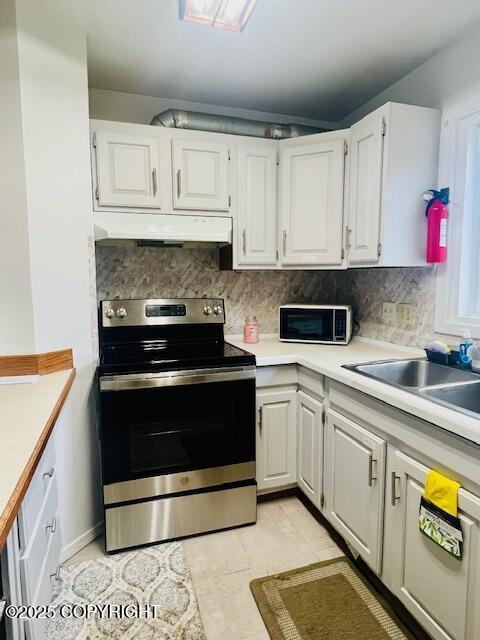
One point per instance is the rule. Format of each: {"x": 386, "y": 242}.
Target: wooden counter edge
{"x": 36, "y": 364}
{"x": 13, "y": 505}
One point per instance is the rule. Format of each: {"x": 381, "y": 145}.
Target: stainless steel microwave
{"x": 315, "y": 323}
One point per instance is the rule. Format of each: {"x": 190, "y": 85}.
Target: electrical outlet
{"x": 405, "y": 314}
{"x": 389, "y": 312}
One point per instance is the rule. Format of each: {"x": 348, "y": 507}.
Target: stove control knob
{"x": 121, "y": 312}
{"x": 207, "y": 310}
{"x": 109, "y": 313}
{"x": 217, "y": 310}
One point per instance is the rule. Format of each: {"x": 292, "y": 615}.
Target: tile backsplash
{"x": 367, "y": 289}
{"x": 141, "y": 272}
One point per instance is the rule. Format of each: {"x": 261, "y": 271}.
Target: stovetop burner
{"x": 138, "y": 336}
{"x": 148, "y": 357}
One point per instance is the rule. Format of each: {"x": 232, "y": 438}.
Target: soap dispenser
{"x": 476, "y": 358}
{"x": 465, "y": 351}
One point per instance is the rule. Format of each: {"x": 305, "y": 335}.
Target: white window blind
{"x": 458, "y": 285}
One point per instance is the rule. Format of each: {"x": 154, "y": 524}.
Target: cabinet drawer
{"x": 276, "y": 376}
{"x": 36, "y": 553}
{"x": 42, "y": 479}
{"x": 311, "y": 382}
{"x": 35, "y": 629}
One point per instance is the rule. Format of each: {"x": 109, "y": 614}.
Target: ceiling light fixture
{"x": 231, "y": 15}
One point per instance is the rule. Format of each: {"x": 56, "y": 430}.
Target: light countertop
{"x": 328, "y": 360}
{"x": 28, "y": 413}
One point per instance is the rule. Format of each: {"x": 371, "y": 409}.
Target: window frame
{"x": 452, "y": 172}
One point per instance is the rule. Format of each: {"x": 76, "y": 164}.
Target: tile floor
{"x": 222, "y": 565}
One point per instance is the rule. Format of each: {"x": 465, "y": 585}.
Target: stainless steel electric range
{"x": 177, "y": 421}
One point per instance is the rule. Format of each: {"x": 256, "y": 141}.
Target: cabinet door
{"x": 276, "y": 439}
{"x": 256, "y": 227}
{"x": 200, "y": 175}
{"x": 309, "y": 446}
{"x": 311, "y": 203}
{"x": 127, "y": 170}
{"x": 365, "y": 202}
{"x": 439, "y": 590}
{"x": 12, "y": 586}
{"x": 355, "y": 475}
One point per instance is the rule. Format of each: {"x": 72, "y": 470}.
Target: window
{"x": 458, "y": 283}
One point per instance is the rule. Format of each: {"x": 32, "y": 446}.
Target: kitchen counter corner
{"x": 29, "y": 413}
{"x": 328, "y": 360}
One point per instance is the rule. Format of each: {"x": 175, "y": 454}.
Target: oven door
{"x": 299, "y": 324}
{"x": 171, "y": 423}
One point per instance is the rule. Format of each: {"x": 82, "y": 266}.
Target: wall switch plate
{"x": 405, "y": 314}
{"x": 389, "y": 312}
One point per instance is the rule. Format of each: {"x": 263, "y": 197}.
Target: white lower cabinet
{"x": 276, "y": 438}
{"x": 443, "y": 593}
{"x": 372, "y": 490}
{"x": 309, "y": 446}
{"x": 354, "y": 483}
{"x": 38, "y": 543}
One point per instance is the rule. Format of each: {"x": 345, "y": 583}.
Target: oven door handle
{"x": 176, "y": 378}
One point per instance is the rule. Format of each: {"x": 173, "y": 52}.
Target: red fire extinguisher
{"x": 437, "y": 216}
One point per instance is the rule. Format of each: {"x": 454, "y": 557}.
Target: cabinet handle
{"x": 52, "y": 525}
{"x": 56, "y": 575}
{"x": 244, "y": 242}
{"x": 179, "y": 183}
{"x": 393, "y": 480}
{"x": 284, "y": 242}
{"x": 348, "y": 235}
{"x": 154, "y": 181}
{"x": 371, "y": 477}
{"x": 49, "y": 473}
{"x": 260, "y": 419}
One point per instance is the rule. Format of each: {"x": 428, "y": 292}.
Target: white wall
{"x": 130, "y": 107}
{"x": 52, "y": 72}
{"x": 16, "y": 310}
{"x": 451, "y": 76}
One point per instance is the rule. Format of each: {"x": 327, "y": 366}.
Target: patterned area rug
{"x": 325, "y": 600}
{"x": 156, "y": 576}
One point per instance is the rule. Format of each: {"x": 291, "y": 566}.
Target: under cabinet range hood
{"x": 157, "y": 229}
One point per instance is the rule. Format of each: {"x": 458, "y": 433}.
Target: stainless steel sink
{"x": 464, "y": 396}
{"x": 412, "y": 373}
{"x": 443, "y": 385}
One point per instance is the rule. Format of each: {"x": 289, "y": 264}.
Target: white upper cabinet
{"x": 441, "y": 591}
{"x": 366, "y": 162}
{"x": 311, "y": 201}
{"x": 348, "y": 198}
{"x": 256, "y": 238}
{"x": 354, "y": 479}
{"x": 200, "y": 175}
{"x": 127, "y": 169}
{"x": 393, "y": 160}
